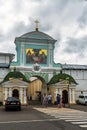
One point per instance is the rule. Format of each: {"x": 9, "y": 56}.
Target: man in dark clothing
{"x": 58, "y": 100}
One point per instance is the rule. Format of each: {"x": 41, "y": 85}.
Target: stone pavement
{"x": 53, "y": 109}
{"x": 73, "y": 116}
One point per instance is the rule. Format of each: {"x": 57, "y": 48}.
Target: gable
{"x": 15, "y": 82}
{"x": 63, "y": 82}
{"x": 35, "y": 35}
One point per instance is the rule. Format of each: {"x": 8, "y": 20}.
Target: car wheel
{"x": 86, "y": 103}
{"x": 77, "y": 102}
{"x": 19, "y": 108}
{"x": 5, "y": 109}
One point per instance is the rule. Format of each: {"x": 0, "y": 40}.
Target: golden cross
{"x": 36, "y": 24}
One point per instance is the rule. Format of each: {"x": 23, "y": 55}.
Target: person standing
{"x": 49, "y": 98}
{"x": 45, "y": 100}
{"x": 58, "y": 100}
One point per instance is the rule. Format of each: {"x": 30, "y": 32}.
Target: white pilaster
{"x": 34, "y": 89}
{"x": 50, "y": 55}
{"x": 25, "y": 96}
{"x": 22, "y": 54}
{"x": 6, "y": 93}
{"x": 70, "y": 95}
{"x": 21, "y": 93}
{"x": 56, "y": 91}
{"x": 10, "y": 92}
{"x": 60, "y": 92}
{"x": 38, "y": 85}
{"x": 73, "y": 92}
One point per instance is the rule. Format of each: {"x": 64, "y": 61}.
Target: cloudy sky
{"x": 64, "y": 20}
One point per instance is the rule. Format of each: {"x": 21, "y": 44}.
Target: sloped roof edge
{"x": 35, "y": 35}
{"x": 61, "y": 76}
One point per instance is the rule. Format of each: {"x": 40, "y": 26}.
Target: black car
{"x": 12, "y": 103}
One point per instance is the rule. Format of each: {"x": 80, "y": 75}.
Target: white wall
{"x": 3, "y": 73}
{"x": 4, "y": 59}
{"x": 80, "y": 77}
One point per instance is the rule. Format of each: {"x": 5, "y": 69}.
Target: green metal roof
{"x": 15, "y": 74}
{"x": 63, "y": 76}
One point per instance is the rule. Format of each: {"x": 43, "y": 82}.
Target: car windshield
{"x": 86, "y": 97}
{"x": 12, "y": 99}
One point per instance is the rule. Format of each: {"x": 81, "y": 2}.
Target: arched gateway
{"x": 35, "y": 57}
{"x": 36, "y": 88}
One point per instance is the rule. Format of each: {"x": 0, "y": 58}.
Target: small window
{"x": 85, "y": 97}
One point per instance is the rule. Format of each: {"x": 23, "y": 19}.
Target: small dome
{"x": 61, "y": 76}
{"x": 15, "y": 74}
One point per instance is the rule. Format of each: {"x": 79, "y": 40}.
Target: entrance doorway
{"x": 65, "y": 95}
{"x": 15, "y": 93}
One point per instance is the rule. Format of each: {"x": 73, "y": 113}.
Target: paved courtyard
{"x": 49, "y": 118}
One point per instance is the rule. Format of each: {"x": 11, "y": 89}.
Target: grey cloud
{"x": 83, "y": 18}
{"x": 57, "y": 44}
{"x": 18, "y": 29}
{"x": 37, "y": 0}
{"x": 59, "y": 13}
{"x": 1, "y": 2}
{"x": 58, "y": 38}
{"x": 51, "y": 7}
{"x": 76, "y": 46}
{"x": 46, "y": 27}
{"x": 18, "y": 6}
{"x": 2, "y": 37}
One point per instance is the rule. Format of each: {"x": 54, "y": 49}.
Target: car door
{"x": 81, "y": 99}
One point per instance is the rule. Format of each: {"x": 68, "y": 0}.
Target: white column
{"x": 22, "y": 54}
{"x": 60, "y": 91}
{"x": 73, "y": 92}
{"x": 25, "y": 96}
{"x": 38, "y": 85}
{"x": 21, "y": 93}
{"x": 50, "y": 54}
{"x": 56, "y": 91}
{"x": 70, "y": 95}
{"x": 6, "y": 93}
{"x": 10, "y": 92}
{"x": 34, "y": 89}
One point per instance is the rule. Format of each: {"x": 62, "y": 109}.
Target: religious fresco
{"x": 36, "y": 56}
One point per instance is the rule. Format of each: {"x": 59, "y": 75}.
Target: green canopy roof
{"x": 15, "y": 74}
{"x": 61, "y": 76}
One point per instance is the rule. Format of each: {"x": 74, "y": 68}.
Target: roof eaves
{"x": 32, "y": 39}
{"x": 4, "y": 65}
